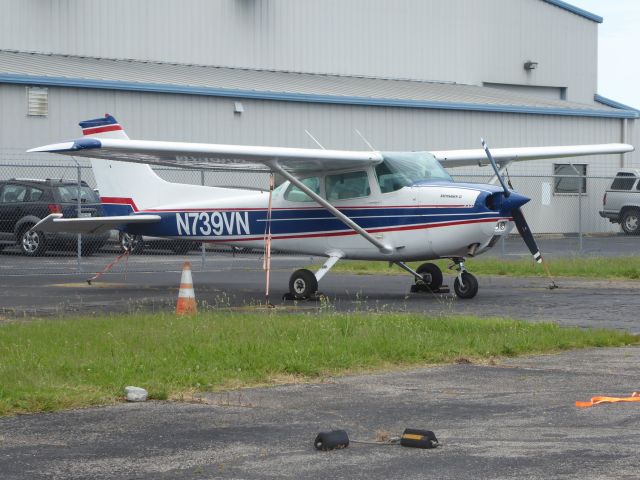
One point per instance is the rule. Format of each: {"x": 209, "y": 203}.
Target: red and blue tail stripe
{"x": 100, "y": 125}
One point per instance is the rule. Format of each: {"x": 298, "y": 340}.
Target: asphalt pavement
{"x": 513, "y": 419}
{"x": 239, "y": 283}
{"x": 517, "y": 419}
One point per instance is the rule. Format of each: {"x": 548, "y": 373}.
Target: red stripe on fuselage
{"x": 120, "y": 201}
{"x": 339, "y": 207}
{"x": 372, "y": 230}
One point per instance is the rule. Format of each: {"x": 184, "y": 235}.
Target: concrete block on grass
{"x": 136, "y": 394}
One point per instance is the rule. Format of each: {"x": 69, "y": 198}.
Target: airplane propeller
{"x": 516, "y": 213}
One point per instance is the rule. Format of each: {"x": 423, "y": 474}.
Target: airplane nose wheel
{"x": 303, "y": 284}
{"x": 465, "y": 284}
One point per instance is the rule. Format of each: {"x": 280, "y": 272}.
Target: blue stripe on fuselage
{"x": 114, "y": 210}
{"x": 237, "y": 223}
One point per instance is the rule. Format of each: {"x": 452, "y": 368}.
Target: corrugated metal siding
{"x": 178, "y": 117}
{"x": 456, "y": 40}
{"x": 153, "y": 74}
{"x": 210, "y": 119}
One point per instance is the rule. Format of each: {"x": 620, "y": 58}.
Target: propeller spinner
{"x": 516, "y": 213}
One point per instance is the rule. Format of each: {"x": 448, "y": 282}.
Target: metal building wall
{"x": 210, "y": 119}
{"x": 466, "y": 41}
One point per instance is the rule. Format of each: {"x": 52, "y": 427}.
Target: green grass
{"x": 621, "y": 268}
{"x": 56, "y": 364}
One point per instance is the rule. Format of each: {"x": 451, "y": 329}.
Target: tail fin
{"x": 107, "y": 127}
{"x": 122, "y": 185}
{"x": 129, "y": 187}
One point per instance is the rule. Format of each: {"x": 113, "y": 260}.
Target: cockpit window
{"x": 347, "y": 185}
{"x": 294, "y": 194}
{"x": 404, "y": 169}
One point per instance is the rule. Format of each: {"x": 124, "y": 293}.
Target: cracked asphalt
{"x": 516, "y": 419}
{"x": 513, "y": 419}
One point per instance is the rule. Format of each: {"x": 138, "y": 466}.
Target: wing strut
{"x": 337, "y": 213}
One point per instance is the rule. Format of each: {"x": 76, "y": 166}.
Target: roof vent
{"x": 37, "y": 101}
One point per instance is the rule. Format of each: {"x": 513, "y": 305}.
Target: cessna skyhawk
{"x": 380, "y": 206}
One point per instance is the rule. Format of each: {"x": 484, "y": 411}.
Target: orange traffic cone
{"x": 186, "y": 297}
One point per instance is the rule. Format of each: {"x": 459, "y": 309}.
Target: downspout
{"x": 624, "y": 137}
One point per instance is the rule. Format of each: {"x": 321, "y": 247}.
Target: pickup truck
{"x": 621, "y": 202}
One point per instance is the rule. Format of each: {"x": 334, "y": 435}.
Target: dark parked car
{"x": 24, "y": 202}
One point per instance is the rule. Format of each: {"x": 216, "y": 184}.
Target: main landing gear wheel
{"x": 431, "y": 277}
{"x": 134, "y": 244}
{"x": 303, "y": 284}
{"x": 469, "y": 286}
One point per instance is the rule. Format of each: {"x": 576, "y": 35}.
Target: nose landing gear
{"x": 428, "y": 278}
{"x": 465, "y": 284}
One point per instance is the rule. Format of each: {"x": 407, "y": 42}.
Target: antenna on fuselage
{"x": 365, "y": 140}
{"x": 314, "y": 139}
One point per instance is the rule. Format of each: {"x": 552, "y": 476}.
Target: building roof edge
{"x": 308, "y": 98}
{"x": 578, "y": 11}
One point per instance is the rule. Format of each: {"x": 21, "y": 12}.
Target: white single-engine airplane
{"x": 386, "y": 206}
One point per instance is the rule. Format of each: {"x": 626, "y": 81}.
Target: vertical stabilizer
{"x": 124, "y": 187}
{"x": 104, "y": 127}
{"x": 127, "y": 188}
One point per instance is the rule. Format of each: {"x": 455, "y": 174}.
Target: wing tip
{"x": 73, "y": 146}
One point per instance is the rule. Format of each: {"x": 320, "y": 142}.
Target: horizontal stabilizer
{"x": 55, "y": 223}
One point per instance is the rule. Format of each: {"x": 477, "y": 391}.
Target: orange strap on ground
{"x": 635, "y": 397}
{"x": 124, "y": 255}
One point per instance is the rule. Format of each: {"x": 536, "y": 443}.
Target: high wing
{"x": 55, "y": 223}
{"x": 206, "y": 156}
{"x": 294, "y": 160}
{"x": 288, "y": 162}
{"x": 462, "y": 158}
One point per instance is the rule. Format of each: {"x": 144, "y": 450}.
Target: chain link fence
{"x": 564, "y": 205}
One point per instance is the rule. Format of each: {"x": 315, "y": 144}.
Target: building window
{"x": 37, "y": 102}
{"x": 570, "y": 178}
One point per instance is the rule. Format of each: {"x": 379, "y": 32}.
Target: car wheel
{"x": 631, "y": 221}
{"x": 134, "y": 244}
{"x": 32, "y": 243}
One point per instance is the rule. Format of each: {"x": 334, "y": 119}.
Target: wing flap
{"x": 461, "y": 158}
{"x": 55, "y": 223}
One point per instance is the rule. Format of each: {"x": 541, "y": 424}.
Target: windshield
{"x": 69, "y": 193}
{"x": 404, "y": 169}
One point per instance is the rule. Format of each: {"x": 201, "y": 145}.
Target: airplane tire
{"x": 469, "y": 287}
{"x": 433, "y": 274}
{"x": 134, "y": 244}
{"x": 303, "y": 284}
